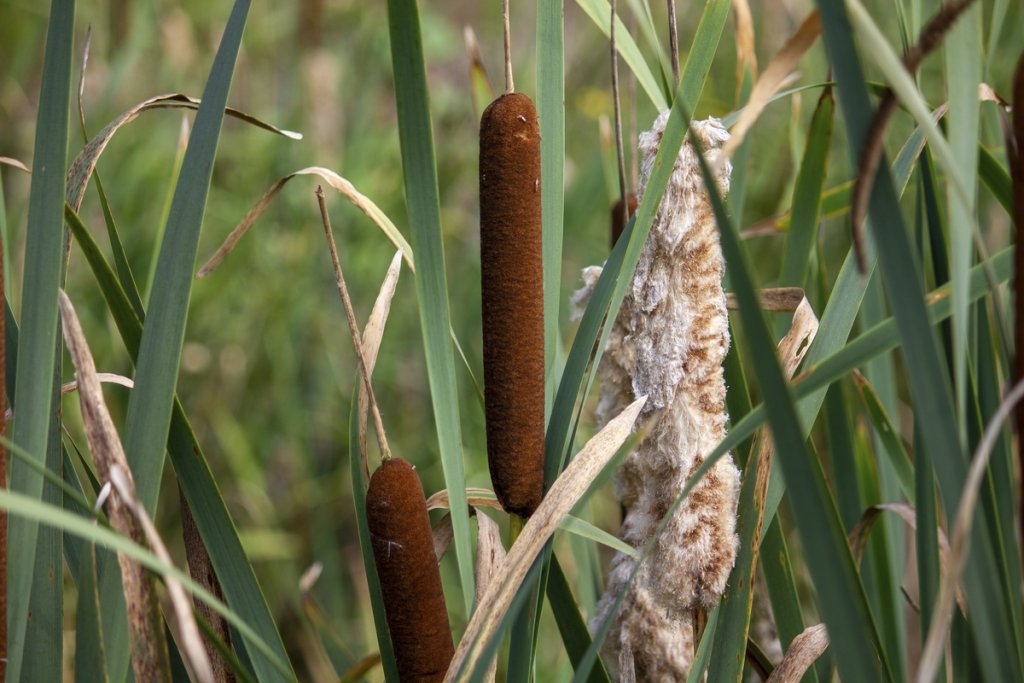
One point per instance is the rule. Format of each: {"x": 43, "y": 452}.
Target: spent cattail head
{"x": 512, "y": 290}
{"x": 669, "y": 342}
{"x": 620, "y": 217}
{"x": 403, "y": 550}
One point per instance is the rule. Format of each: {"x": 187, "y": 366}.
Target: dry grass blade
{"x": 84, "y": 164}
{"x": 183, "y": 624}
{"x": 962, "y": 537}
{"x": 746, "y": 57}
{"x": 774, "y": 299}
{"x": 347, "y": 190}
{"x": 8, "y": 161}
{"x": 102, "y": 377}
{"x": 802, "y": 653}
{"x": 931, "y": 36}
{"x": 373, "y": 333}
{"x": 490, "y": 554}
{"x": 149, "y": 656}
{"x": 773, "y": 78}
{"x": 561, "y": 498}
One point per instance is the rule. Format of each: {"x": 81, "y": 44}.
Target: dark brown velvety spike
{"x": 618, "y": 224}
{"x": 513, "y": 300}
{"x": 403, "y": 550}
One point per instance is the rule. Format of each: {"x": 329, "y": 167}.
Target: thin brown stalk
{"x": 510, "y": 86}
{"x": 353, "y": 326}
{"x": 620, "y": 154}
{"x": 1015, "y": 147}
{"x": 673, "y": 42}
{"x": 931, "y": 35}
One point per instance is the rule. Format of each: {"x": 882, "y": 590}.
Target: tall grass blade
{"x": 37, "y": 363}
{"x": 962, "y": 53}
{"x": 149, "y": 409}
{"x": 990, "y": 622}
{"x": 841, "y": 596}
{"x": 551, "y": 112}
{"x": 421, "y": 194}
{"x": 241, "y": 589}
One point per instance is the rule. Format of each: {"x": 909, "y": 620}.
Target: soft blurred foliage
{"x": 268, "y": 369}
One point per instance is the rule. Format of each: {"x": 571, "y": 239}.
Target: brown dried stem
{"x": 931, "y": 36}
{"x": 353, "y": 327}
{"x": 620, "y": 154}
{"x": 673, "y": 42}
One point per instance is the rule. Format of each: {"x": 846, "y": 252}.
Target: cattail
{"x": 512, "y": 290}
{"x": 403, "y": 550}
{"x": 669, "y": 342}
{"x": 619, "y": 219}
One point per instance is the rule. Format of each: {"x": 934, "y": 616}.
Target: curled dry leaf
{"x": 103, "y": 378}
{"x": 150, "y": 660}
{"x": 373, "y": 334}
{"x": 563, "y": 495}
{"x": 8, "y": 161}
{"x": 443, "y": 535}
{"x": 85, "y": 163}
{"x": 802, "y": 653}
{"x": 347, "y": 190}
{"x": 746, "y": 56}
{"x": 772, "y": 79}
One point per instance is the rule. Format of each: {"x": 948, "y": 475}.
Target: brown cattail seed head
{"x": 403, "y": 550}
{"x": 512, "y": 290}
{"x": 618, "y": 219}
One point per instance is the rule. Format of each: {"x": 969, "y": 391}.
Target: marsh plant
{"x": 772, "y": 437}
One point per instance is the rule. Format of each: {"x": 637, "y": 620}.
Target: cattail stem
{"x": 512, "y": 290}
{"x": 673, "y": 43}
{"x": 353, "y": 327}
{"x": 510, "y": 86}
{"x": 403, "y": 551}
{"x": 620, "y": 154}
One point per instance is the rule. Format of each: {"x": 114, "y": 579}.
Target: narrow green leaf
{"x": 890, "y": 439}
{"x": 841, "y": 598}
{"x": 929, "y": 381}
{"x": 962, "y": 57}
{"x": 220, "y": 537}
{"x": 551, "y": 112}
{"x": 600, "y": 12}
{"x": 806, "y": 205}
{"x": 37, "y": 362}
{"x": 151, "y": 403}
{"x": 421, "y": 195}
{"x": 702, "y": 51}
{"x": 570, "y": 622}
{"x": 585, "y": 529}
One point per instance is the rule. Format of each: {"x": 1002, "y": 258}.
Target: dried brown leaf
{"x": 476, "y": 497}
{"x": 8, "y": 161}
{"x": 150, "y": 661}
{"x": 347, "y": 189}
{"x": 773, "y": 299}
{"x": 102, "y": 377}
{"x": 373, "y": 333}
{"x": 560, "y": 499}
{"x": 772, "y": 79}
{"x": 746, "y": 57}
{"x": 84, "y": 164}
